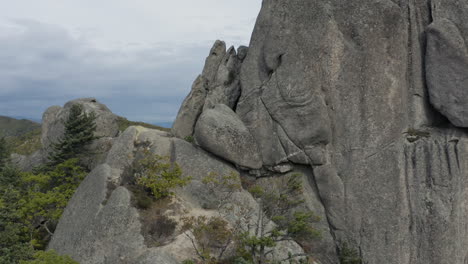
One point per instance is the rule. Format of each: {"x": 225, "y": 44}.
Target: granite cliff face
{"x": 372, "y": 95}
{"x": 367, "y": 99}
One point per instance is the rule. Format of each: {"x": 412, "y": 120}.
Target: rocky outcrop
{"x": 54, "y": 117}
{"x": 102, "y": 225}
{"x": 447, "y": 71}
{"x": 358, "y": 91}
{"x": 222, "y": 133}
{"x": 218, "y": 84}
{"x": 364, "y": 98}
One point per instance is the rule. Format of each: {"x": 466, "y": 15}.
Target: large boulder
{"x": 447, "y": 71}
{"x": 221, "y": 132}
{"x": 100, "y": 224}
{"x": 97, "y": 228}
{"x": 54, "y": 117}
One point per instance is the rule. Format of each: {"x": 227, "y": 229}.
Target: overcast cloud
{"x": 137, "y": 56}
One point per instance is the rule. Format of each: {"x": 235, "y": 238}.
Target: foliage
{"x": 158, "y": 175}
{"x": 26, "y": 144}
{"x": 349, "y": 255}
{"x": 49, "y": 257}
{"x": 210, "y": 236}
{"x": 31, "y": 205}
{"x": 252, "y": 234}
{"x": 79, "y": 132}
{"x": 124, "y": 123}
{"x": 4, "y": 153}
{"x": 46, "y": 195}
{"x": 189, "y": 139}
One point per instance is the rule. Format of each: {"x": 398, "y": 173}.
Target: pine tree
{"x": 4, "y": 153}
{"x": 79, "y": 132}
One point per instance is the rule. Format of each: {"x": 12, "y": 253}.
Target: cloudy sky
{"x": 139, "y": 57}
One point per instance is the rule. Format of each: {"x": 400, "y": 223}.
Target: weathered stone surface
{"x": 242, "y": 52}
{"x": 191, "y": 109}
{"x": 28, "y": 163}
{"x": 218, "y": 84}
{"x": 54, "y": 117}
{"x": 225, "y": 88}
{"x": 221, "y": 132}
{"x": 447, "y": 71}
{"x": 339, "y": 85}
{"x": 214, "y": 59}
{"x": 94, "y": 229}
{"x": 100, "y": 225}
{"x": 197, "y": 163}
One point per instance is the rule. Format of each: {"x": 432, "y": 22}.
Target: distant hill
{"x": 23, "y": 136}
{"x": 125, "y": 123}
{"x": 164, "y": 124}
{"x": 15, "y": 127}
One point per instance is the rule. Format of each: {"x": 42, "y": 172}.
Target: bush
{"x": 210, "y": 236}
{"x": 158, "y": 175}
{"x": 349, "y": 255}
{"x": 189, "y": 139}
{"x": 49, "y": 257}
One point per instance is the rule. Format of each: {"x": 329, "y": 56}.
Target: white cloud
{"x": 137, "y": 56}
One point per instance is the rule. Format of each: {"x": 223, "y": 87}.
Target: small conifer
{"x": 79, "y": 132}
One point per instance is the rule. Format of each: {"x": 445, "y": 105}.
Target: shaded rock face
{"x": 447, "y": 71}
{"x": 339, "y": 86}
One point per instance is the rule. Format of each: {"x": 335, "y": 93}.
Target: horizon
{"x": 140, "y": 60}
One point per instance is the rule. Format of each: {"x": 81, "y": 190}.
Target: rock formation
{"x": 367, "y": 99}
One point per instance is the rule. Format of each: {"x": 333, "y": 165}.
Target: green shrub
{"x": 158, "y": 175}
{"x": 189, "y": 139}
{"x": 141, "y": 198}
{"x": 79, "y": 132}
{"x": 349, "y": 255}
{"x": 49, "y": 257}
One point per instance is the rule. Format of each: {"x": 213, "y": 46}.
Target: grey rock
{"x": 293, "y": 152}
{"x": 256, "y": 118}
{"x": 54, "y": 117}
{"x": 447, "y": 71}
{"x": 99, "y": 149}
{"x": 197, "y": 163}
{"x": 100, "y": 225}
{"x": 28, "y": 163}
{"x": 242, "y": 52}
{"x": 221, "y": 132}
{"x": 225, "y": 88}
{"x": 214, "y": 59}
{"x": 94, "y": 229}
{"x": 191, "y": 109}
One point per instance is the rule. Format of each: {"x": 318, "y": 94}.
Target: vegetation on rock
{"x": 349, "y": 255}
{"x": 79, "y": 132}
{"x": 158, "y": 175}
{"x": 31, "y": 203}
{"x": 251, "y": 238}
{"x": 49, "y": 257}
